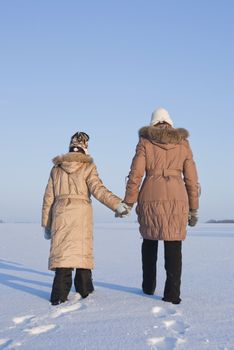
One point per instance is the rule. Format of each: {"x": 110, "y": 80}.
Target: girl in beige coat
{"x": 68, "y": 219}
{"x": 166, "y": 199}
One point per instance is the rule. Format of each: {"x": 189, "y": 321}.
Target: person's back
{"x": 169, "y": 192}
{"x": 164, "y": 155}
{"x": 68, "y": 219}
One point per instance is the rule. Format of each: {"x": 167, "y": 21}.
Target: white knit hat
{"x": 160, "y": 115}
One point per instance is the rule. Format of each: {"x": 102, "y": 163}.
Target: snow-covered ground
{"x": 117, "y": 315}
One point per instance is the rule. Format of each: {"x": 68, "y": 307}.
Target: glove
{"x": 47, "y": 233}
{"x": 192, "y": 217}
{"x": 123, "y": 210}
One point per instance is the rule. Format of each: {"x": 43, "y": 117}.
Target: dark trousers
{"x": 63, "y": 281}
{"x": 173, "y": 267}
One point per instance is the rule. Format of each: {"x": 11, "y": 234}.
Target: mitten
{"x": 122, "y": 211}
{"x": 47, "y": 233}
{"x": 192, "y": 218}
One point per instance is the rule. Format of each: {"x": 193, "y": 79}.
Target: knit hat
{"x": 79, "y": 140}
{"x": 161, "y": 115}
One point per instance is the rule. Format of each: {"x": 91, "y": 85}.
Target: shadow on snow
{"x": 18, "y": 283}
{"x": 125, "y": 289}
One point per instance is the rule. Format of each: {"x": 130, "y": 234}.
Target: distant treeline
{"x": 220, "y": 221}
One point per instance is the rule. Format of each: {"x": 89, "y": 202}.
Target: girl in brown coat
{"x": 67, "y": 217}
{"x": 166, "y": 199}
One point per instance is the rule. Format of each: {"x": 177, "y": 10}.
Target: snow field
{"x": 117, "y": 315}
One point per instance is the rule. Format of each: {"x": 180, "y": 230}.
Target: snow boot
{"x": 61, "y": 285}
{"x": 173, "y": 301}
{"x": 83, "y": 282}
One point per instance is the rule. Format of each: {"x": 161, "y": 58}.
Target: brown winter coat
{"x": 170, "y": 186}
{"x": 67, "y": 210}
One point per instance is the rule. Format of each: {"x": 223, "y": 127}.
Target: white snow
{"x": 63, "y": 309}
{"x": 18, "y": 320}
{"x": 169, "y": 323}
{"x": 117, "y": 316}
{"x": 154, "y": 341}
{"x": 40, "y": 329}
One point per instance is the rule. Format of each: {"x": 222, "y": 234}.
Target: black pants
{"x": 173, "y": 267}
{"x": 63, "y": 281}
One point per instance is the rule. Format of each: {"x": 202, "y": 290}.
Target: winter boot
{"x": 83, "y": 282}
{"x": 61, "y": 285}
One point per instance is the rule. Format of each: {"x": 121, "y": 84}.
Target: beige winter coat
{"x": 67, "y": 210}
{"x": 170, "y": 185}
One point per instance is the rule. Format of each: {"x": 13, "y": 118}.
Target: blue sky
{"x": 103, "y": 67}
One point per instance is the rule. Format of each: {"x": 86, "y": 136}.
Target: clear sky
{"x": 103, "y": 67}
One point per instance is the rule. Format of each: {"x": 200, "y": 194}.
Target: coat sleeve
{"x": 191, "y": 180}
{"x": 100, "y": 192}
{"x": 48, "y": 201}
{"x": 137, "y": 171}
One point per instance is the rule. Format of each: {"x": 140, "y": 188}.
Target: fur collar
{"x": 72, "y": 157}
{"x": 169, "y": 135}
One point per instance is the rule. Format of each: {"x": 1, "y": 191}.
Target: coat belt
{"x": 70, "y": 196}
{"x": 165, "y": 172}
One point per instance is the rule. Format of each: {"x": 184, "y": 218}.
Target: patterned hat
{"x": 79, "y": 140}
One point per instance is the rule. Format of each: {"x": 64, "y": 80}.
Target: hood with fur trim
{"x": 165, "y": 138}
{"x": 71, "y": 162}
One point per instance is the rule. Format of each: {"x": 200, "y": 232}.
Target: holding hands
{"x": 123, "y": 210}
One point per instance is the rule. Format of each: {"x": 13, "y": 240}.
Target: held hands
{"x": 47, "y": 233}
{"x": 192, "y": 217}
{"x": 123, "y": 210}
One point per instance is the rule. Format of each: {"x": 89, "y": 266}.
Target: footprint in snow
{"x": 4, "y": 343}
{"x": 22, "y": 319}
{"x": 35, "y": 325}
{"x": 163, "y": 343}
{"x": 161, "y": 312}
{"x": 65, "y": 309}
{"x": 174, "y": 325}
{"x": 177, "y": 326}
{"x": 157, "y": 310}
{"x": 40, "y": 329}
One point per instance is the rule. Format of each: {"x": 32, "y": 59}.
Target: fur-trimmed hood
{"x": 70, "y": 162}
{"x": 168, "y": 136}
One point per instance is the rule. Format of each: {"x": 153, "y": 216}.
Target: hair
{"x": 76, "y": 149}
{"x": 163, "y": 125}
